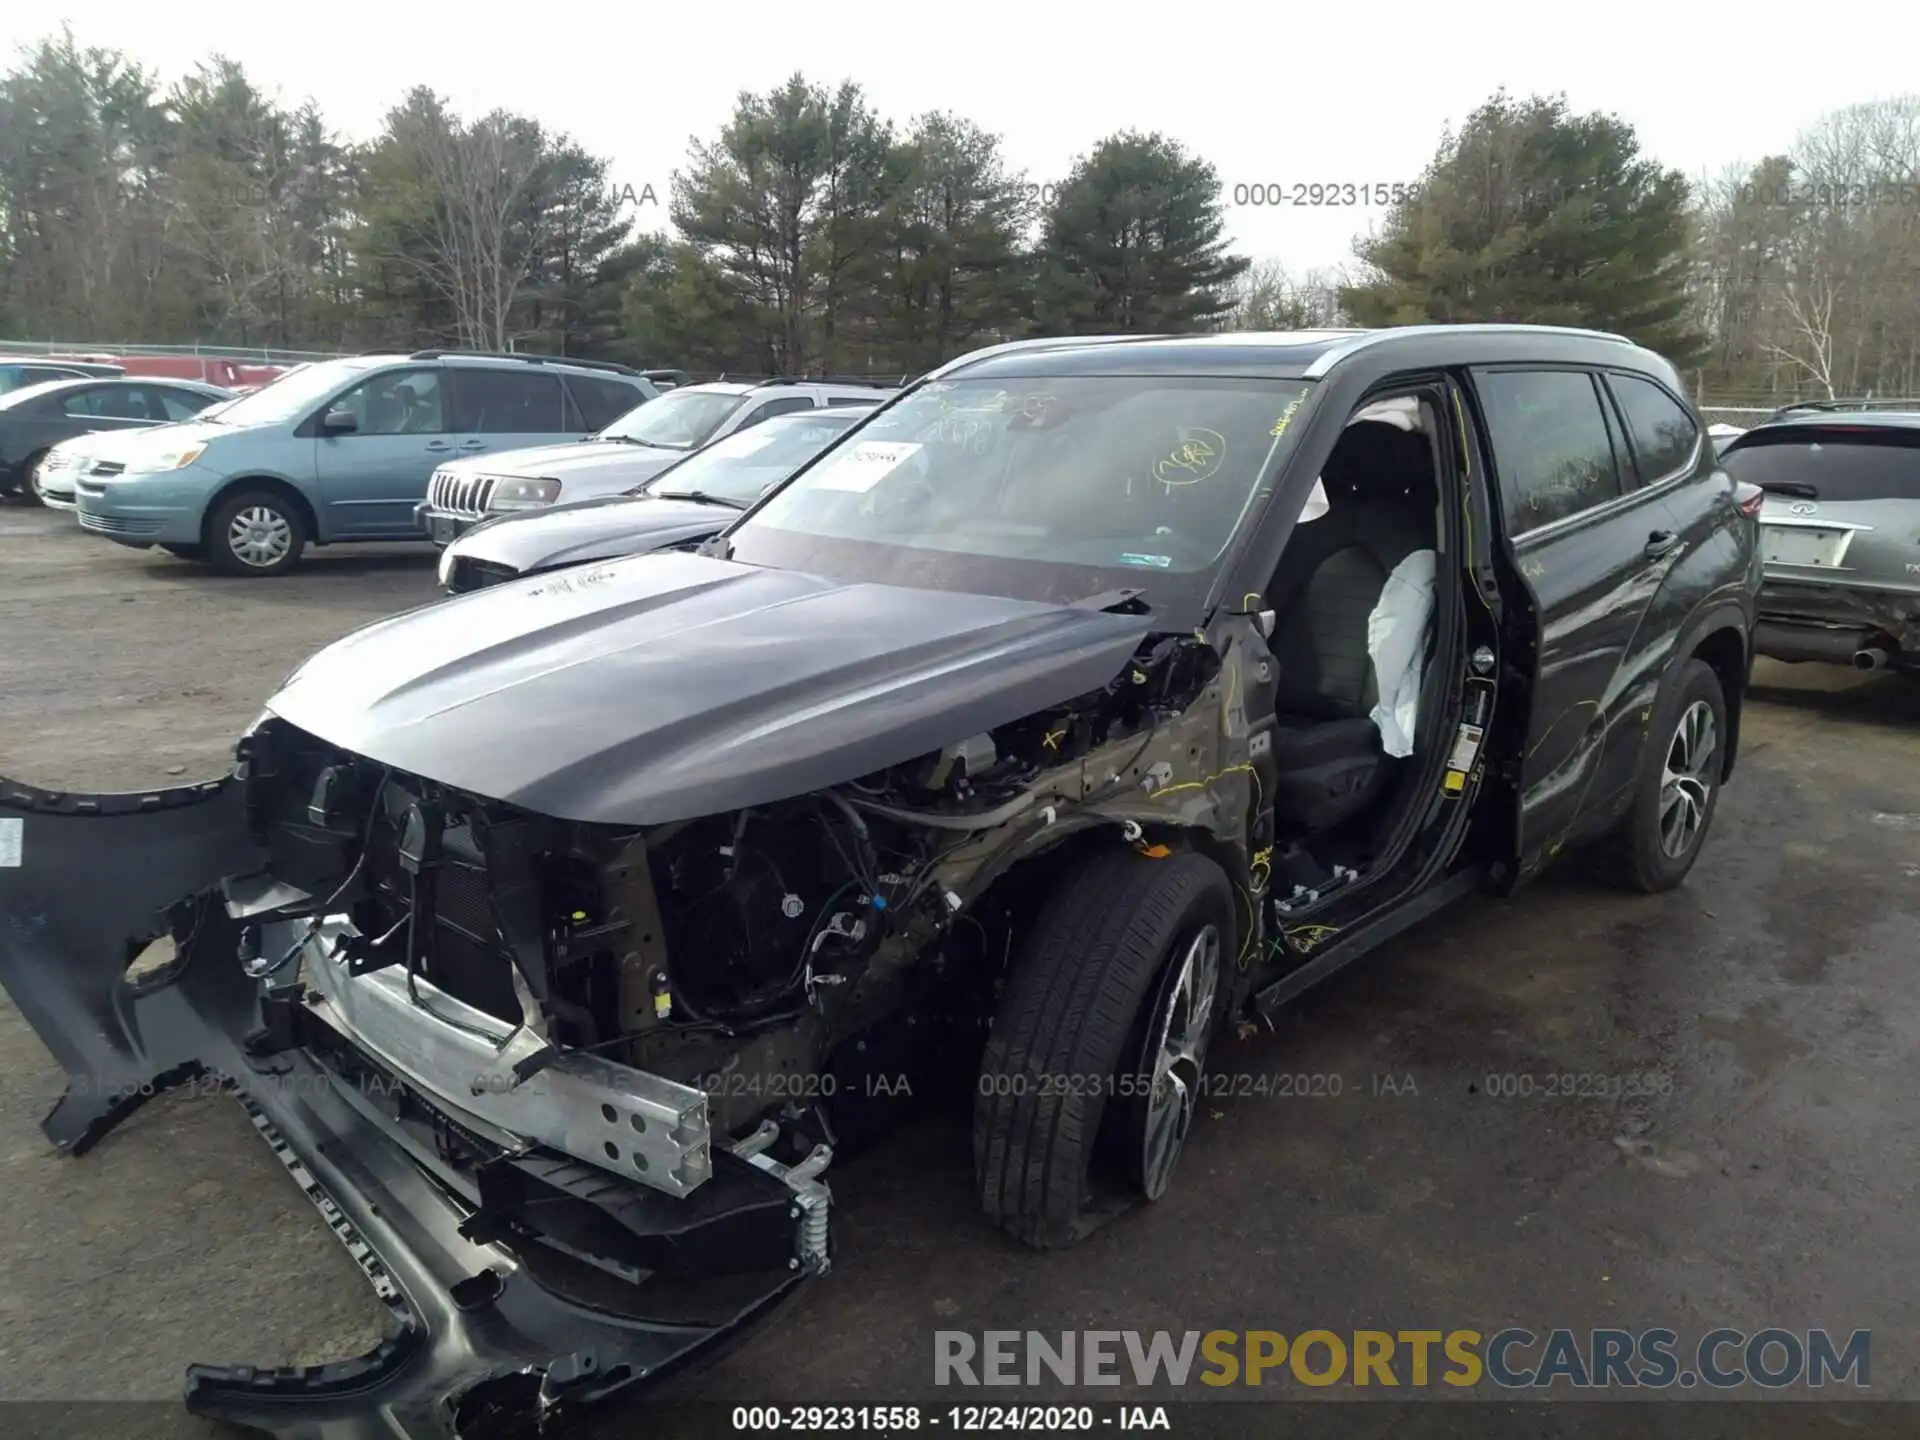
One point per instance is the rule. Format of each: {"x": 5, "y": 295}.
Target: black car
{"x": 17, "y": 374}
{"x": 1076, "y": 709}
{"x": 37, "y": 417}
{"x": 691, "y": 501}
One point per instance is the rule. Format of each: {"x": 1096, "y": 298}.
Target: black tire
{"x": 1636, "y": 855}
{"x": 1058, "y": 1109}
{"x": 275, "y": 510}
{"x": 29, "y": 480}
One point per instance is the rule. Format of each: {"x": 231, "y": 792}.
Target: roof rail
{"x": 525, "y": 358}
{"x": 856, "y": 380}
{"x": 1036, "y": 345}
{"x": 1362, "y": 339}
{"x": 1842, "y": 406}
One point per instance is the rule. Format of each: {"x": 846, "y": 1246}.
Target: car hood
{"x": 122, "y": 444}
{"x": 607, "y": 460}
{"x": 602, "y": 529}
{"x": 668, "y": 686}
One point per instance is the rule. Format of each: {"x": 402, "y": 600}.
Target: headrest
{"x": 1376, "y": 462}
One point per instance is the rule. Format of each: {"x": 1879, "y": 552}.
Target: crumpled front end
{"x": 150, "y": 938}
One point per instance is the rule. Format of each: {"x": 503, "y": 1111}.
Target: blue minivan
{"x": 337, "y": 451}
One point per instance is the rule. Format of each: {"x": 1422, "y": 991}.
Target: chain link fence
{"x": 250, "y": 354}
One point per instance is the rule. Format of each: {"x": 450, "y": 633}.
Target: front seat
{"x": 1381, "y": 499}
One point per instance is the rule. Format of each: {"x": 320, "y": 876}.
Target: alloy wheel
{"x": 1178, "y": 1041}
{"x": 1685, "y": 779}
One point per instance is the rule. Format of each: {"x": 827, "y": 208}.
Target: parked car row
{"x": 634, "y": 448}
{"x": 370, "y": 448}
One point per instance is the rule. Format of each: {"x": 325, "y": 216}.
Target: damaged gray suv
{"x": 1078, "y": 707}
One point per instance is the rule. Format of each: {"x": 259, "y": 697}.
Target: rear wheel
{"x": 256, "y": 533}
{"x": 1678, "y": 786}
{"x": 1090, "y": 1079}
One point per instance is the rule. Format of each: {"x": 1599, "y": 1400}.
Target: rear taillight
{"x": 1749, "y": 498}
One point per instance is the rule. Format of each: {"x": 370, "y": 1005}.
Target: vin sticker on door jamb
{"x": 13, "y": 830}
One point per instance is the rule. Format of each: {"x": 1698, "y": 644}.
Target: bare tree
{"x": 1267, "y": 297}
{"x": 474, "y": 245}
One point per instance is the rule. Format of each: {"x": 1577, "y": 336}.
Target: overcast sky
{"x": 1271, "y": 94}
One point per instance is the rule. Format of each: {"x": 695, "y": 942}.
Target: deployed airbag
{"x": 1397, "y": 644}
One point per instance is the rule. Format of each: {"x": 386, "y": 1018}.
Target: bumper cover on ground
{"x": 477, "y": 1345}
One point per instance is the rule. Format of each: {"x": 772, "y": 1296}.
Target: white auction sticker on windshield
{"x": 13, "y": 831}
{"x": 747, "y": 442}
{"x": 864, "y": 465}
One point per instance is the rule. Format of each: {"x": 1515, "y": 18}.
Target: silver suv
{"x": 635, "y": 448}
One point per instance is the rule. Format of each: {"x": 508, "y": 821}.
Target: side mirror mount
{"x": 339, "y": 422}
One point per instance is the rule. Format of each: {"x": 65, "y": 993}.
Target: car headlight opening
{"x": 523, "y": 494}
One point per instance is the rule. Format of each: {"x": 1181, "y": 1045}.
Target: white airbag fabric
{"x": 1397, "y": 643}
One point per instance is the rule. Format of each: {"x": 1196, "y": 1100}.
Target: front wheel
{"x": 1678, "y": 786}
{"x": 1092, "y": 1075}
{"x": 30, "y": 471}
{"x": 256, "y": 533}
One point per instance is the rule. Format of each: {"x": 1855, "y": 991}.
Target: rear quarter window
{"x": 1834, "y": 466}
{"x": 598, "y": 402}
{"x": 1662, "y": 434}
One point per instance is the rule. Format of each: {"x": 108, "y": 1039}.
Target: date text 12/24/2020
{"x": 960, "y": 1419}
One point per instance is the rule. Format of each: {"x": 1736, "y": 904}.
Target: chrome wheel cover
{"x": 259, "y": 536}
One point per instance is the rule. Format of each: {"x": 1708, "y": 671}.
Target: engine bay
{"x": 749, "y": 955}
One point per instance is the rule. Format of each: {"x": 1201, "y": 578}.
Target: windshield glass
{"x": 739, "y": 467}
{"x": 292, "y": 395}
{"x": 678, "y": 420}
{"x": 1054, "y": 489}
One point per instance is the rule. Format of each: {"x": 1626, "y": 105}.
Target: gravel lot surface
{"x": 1775, "y": 1185}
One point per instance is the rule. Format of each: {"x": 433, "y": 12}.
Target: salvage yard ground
{"x": 1774, "y": 1185}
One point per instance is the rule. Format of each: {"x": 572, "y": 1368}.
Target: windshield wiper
{"x": 627, "y": 440}
{"x": 699, "y": 497}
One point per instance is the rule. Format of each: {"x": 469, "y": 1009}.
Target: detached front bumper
{"x": 520, "y": 1283}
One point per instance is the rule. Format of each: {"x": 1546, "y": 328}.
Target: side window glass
{"x": 399, "y": 402}
{"x": 506, "y": 402}
{"x": 177, "y": 404}
{"x": 776, "y": 407}
{"x": 600, "y": 402}
{"x": 1551, "y": 445}
{"x": 855, "y": 399}
{"x": 1662, "y": 432}
{"x": 112, "y": 402}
